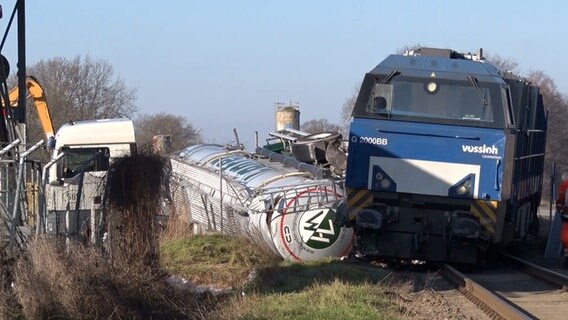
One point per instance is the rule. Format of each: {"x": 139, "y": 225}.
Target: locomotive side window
{"x": 381, "y": 98}
{"x": 509, "y": 116}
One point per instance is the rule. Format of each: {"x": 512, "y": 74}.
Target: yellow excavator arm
{"x": 36, "y": 92}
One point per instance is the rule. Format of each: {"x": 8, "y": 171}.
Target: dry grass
{"x": 137, "y": 188}
{"x": 176, "y": 227}
{"x": 9, "y": 308}
{"x": 49, "y": 284}
{"x": 77, "y": 283}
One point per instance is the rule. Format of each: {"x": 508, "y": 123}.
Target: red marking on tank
{"x": 349, "y": 247}
{"x": 282, "y": 237}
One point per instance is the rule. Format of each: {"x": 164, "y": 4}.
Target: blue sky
{"x": 223, "y": 64}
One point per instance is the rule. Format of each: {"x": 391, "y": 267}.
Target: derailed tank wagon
{"x": 288, "y": 206}
{"x": 445, "y": 157}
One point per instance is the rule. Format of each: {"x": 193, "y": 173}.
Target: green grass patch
{"x": 212, "y": 259}
{"x": 335, "y": 300}
{"x": 324, "y": 289}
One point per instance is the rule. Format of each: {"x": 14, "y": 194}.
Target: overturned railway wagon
{"x": 446, "y": 157}
{"x": 291, "y": 210}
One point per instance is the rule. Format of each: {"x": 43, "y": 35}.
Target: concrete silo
{"x": 287, "y": 116}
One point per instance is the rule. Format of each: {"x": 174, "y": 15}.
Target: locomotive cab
{"x": 445, "y": 157}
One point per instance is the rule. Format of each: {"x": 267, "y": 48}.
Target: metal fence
{"x": 19, "y": 194}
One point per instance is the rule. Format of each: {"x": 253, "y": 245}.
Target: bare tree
{"x": 79, "y": 89}
{"x": 319, "y": 125}
{"x": 182, "y": 133}
{"x": 557, "y": 104}
{"x": 505, "y": 64}
{"x": 347, "y": 109}
{"x": 407, "y": 47}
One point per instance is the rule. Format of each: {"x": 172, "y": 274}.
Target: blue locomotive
{"x": 445, "y": 157}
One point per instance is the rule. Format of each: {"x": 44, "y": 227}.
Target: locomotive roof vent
{"x": 445, "y": 53}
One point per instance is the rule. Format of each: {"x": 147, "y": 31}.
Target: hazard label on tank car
{"x": 309, "y": 232}
{"x": 317, "y": 228}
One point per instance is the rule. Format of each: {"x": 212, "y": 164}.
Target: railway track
{"x": 514, "y": 289}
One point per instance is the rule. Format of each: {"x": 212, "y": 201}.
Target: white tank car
{"x": 234, "y": 192}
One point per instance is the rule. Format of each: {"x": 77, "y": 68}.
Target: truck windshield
{"x": 434, "y": 100}
{"x": 91, "y": 159}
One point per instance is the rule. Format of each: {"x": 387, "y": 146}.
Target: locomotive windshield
{"x": 461, "y": 102}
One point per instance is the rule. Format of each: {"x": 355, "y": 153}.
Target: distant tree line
{"x": 319, "y": 125}
{"x": 84, "y": 88}
{"x": 180, "y": 130}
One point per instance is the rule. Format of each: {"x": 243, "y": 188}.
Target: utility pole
{"x": 20, "y": 113}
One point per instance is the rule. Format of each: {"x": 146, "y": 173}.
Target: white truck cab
{"x": 76, "y": 183}
{"x": 82, "y": 140}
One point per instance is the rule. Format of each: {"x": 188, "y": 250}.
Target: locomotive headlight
{"x": 383, "y": 181}
{"x": 464, "y": 188}
{"x": 431, "y": 86}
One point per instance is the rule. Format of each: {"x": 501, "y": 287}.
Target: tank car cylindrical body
{"x": 280, "y": 207}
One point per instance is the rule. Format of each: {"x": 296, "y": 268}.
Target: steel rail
{"x": 550, "y": 276}
{"x": 490, "y": 302}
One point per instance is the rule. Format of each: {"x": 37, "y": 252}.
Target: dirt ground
{"x": 429, "y": 296}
